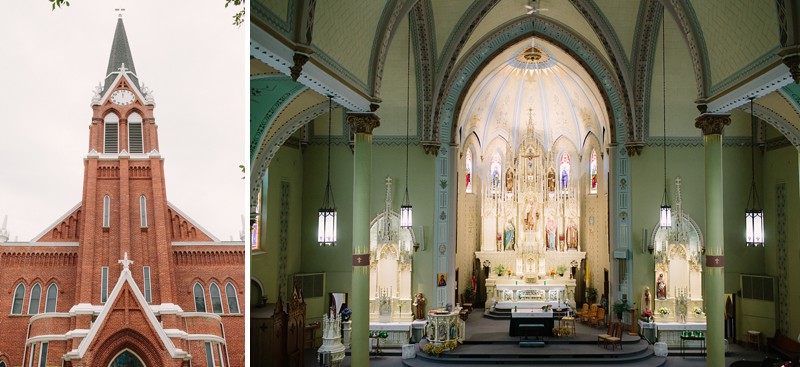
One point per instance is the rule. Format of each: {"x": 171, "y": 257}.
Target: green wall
{"x": 688, "y": 163}
{"x": 781, "y": 166}
{"x": 264, "y": 264}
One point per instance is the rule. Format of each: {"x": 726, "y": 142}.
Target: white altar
{"x": 529, "y": 296}
{"x": 391, "y": 250}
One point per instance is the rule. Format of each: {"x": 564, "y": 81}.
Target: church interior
{"x": 430, "y": 166}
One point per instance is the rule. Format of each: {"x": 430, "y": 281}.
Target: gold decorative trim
{"x": 712, "y": 124}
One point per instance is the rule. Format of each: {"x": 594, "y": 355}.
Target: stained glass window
{"x": 36, "y": 295}
{"x": 495, "y": 171}
{"x": 254, "y": 243}
{"x": 216, "y": 299}
{"x": 19, "y": 293}
{"x": 126, "y": 359}
{"x": 469, "y": 171}
{"x": 593, "y": 173}
{"x": 52, "y": 298}
{"x": 563, "y": 170}
{"x": 199, "y": 298}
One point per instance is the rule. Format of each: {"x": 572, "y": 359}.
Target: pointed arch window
{"x": 143, "y": 211}
{"x": 233, "y": 302}
{"x": 468, "y": 170}
{"x": 255, "y": 244}
{"x": 126, "y": 359}
{"x": 111, "y": 134}
{"x": 495, "y": 170}
{"x": 210, "y": 355}
{"x": 199, "y": 298}
{"x": 148, "y": 294}
{"x": 52, "y": 298}
{"x": 135, "y": 137}
{"x": 19, "y": 297}
{"x": 106, "y": 211}
{"x": 593, "y": 173}
{"x": 216, "y": 298}
{"x": 104, "y": 284}
{"x": 563, "y": 170}
{"x": 36, "y": 295}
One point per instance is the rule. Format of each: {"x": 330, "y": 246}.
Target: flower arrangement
{"x": 500, "y": 269}
{"x": 434, "y": 350}
{"x": 552, "y": 272}
{"x": 697, "y": 310}
{"x": 346, "y": 313}
{"x": 508, "y": 272}
{"x": 450, "y": 345}
{"x": 561, "y": 269}
{"x": 663, "y": 311}
{"x": 647, "y": 315}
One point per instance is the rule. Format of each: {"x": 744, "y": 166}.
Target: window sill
{"x": 105, "y": 229}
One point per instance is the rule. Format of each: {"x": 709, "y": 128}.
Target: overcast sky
{"x": 188, "y": 53}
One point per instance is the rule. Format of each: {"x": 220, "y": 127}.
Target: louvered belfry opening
{"x": 111, "y": 135}
{"x": 135, "y": 144}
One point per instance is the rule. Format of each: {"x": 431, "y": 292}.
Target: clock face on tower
{"x": 122, "y": 97}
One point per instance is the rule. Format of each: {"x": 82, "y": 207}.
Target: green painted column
{"x": 714, "y": 274}
{"x": 361, "y": 124}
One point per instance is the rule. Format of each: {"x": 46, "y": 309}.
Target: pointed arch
{"x": 233, "y": 301}
{"x": 51, "y": 299}
{"x": 19, "y": 299}
{"x": 135, "y": 133}
{"x": 199, "y": 298}
{"x": 111, "y": 133}
{"x": 216, "y": 298}
{"x": 126, "y": 358}
{"x": 35, "y": 299}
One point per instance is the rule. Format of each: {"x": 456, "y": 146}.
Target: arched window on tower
{"x": 233, "y": 302}
{"x": 52, "y": 298}
{"x": 216, "y": 298}
{"x": 593, "y": 173}
{"x": 111, "y": 134}
{"x": 36, "y": 295}
{"x": 19, "y": 297}
{"x": 563, "y": 170}
{"x": 495, "y": 170}
{"x": 106, "y": 211}
{"x": 135, "y": 137}
{"x": 468, "y": 171}
{"x": 143, "y": 211}
{"x": 255, "y": 244}
{"x": 199, "y": 298}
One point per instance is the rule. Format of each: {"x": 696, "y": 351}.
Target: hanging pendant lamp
{"x": 406, "y": 211}
{"x": 326, "y": 229}
{"x": 754, "y": 215}
{"x": 665, "y": 213}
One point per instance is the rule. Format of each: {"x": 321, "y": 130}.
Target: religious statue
{"x": 509, "y": 180}
{"x": 508, "y": 241}
{"x": 661, "y": 287}
{"x": 495, "y": 180}
{"x": 647, "y": 298}
{"x": 564, "y": 179}
{"x": 551, "y": 180}
{"x": 419, "y": 306}
{"x": 572, "y": 236}
{"x": 551, "y": 235}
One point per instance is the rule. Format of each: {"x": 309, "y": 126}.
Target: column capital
{"x": 712, "y": 124}
{"x": 363, "y": 123}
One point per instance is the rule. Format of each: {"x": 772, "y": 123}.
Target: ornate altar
{"x": 391, "y": 250}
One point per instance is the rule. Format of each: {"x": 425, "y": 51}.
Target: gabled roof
{"x": 120, "y": 54}
{"x": 192, "y": 221}
{"x": 126, "y": 279}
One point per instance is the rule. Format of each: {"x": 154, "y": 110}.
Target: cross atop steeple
{"x": 120, "y": 10}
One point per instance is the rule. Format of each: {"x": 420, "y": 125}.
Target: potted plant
{"x": 500, "y": 269}
{"x": 468, "y": 293}
{"x": 561, "y": 269}
{"x": 591, "y": 295}
{"x": 346, "y": 313}
{"x": 619, "y": 307}
{"x": 663, "y": 311}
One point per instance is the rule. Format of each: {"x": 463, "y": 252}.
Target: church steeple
{"x": 120, "y": 56}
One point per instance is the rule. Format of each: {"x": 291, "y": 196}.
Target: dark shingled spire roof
{"x": 120, "y": 53}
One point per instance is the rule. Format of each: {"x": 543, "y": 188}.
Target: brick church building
{"x": 124, "y": 278}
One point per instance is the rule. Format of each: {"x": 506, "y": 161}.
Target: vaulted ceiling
{"x": 718, "y": 53}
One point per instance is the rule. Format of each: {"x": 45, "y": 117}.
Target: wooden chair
{"x": 599, "y": 318}
{"x": 616, "y": 338}
{"x": 583, "y": 311}
{"x": 601, "y": 338}
{"x": 592, "y": 312}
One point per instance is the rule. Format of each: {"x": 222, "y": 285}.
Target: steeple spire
{"x": 120, "y": 56}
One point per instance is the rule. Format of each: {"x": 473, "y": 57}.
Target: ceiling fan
{"x": 533, "y": 7}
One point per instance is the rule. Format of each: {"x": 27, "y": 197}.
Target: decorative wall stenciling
{"x": 783, "y": 254}
{"x": 284, "y": 239}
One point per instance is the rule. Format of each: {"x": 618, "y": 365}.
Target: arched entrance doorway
{"x": 533, "y": 133}
{"x": 126, "y": 358}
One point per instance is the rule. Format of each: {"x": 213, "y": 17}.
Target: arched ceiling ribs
{"x": 779, "y": 123}
{"x": 619, "y": 62}
{"x": 789, "y": 32}
{"x": 454, "y": 88}
{"x": 270, "y": 147}
{"x": 422, "y": 23}
{"x": 684, "y": 15}
{"x": 651, "y": 13}
{"x": 391, "y": 18}
{"x": 471, "y": 18}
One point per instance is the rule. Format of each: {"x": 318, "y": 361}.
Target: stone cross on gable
{"x": 122, "y": 68}
{"x": 125, "y": 262}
